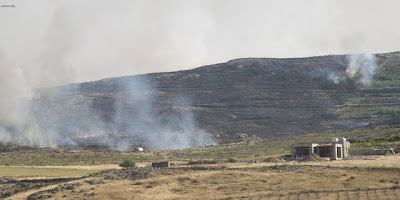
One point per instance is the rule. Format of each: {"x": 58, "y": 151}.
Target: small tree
{"x": 127, "y": 163}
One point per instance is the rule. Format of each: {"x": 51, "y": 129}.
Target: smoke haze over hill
{"x": 75, "y": 41}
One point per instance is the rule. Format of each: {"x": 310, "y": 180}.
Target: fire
{"x": 82, "y": 135}
{"x": 364, "y": 83}
{"x": 31, "y": 146}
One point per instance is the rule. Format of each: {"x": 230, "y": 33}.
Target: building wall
{"x": 339, "y": 150}
{"x": 346, "y": 152}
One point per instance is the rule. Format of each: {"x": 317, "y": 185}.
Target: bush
{"x": 127, "y": 163}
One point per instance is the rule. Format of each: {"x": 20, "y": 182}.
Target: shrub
{"x": 221, "y": 188}
{"x": 183, "y": 179}
{"x": 127, "y": 163}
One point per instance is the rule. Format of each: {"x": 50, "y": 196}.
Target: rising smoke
{"x": 335, "y": 77}
{"x": 62, "y": 116}
{"x": 362, "y": 66}
{"x": 136, "y": 115}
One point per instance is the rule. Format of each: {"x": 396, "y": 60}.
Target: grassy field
{"x": 64, "y": 157}
{"x": 323, "y": 180}
{"x": 230, "y": 177}
{"x": 369, "y": 137}
{"x": 34, "y": 172}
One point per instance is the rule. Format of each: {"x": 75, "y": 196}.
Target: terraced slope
{"x": 265, "y": 97}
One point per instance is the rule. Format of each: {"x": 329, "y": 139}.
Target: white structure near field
{"x": 335, "y": 150}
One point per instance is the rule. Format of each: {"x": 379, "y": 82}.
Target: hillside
{"x": 264, "y": 97}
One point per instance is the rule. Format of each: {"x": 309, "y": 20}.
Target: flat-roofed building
{"x": 335, "y": 150}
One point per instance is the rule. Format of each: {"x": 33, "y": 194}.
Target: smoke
{"x": 95, "y": 39}
{"x": 364, "y": 64}
{"x": 12, "y": 105}
{"x": 136, "y": 115}
{"x": 76, "y": 41}
{"x": 62, "y": 116}
{"x": 361, "y": 66}
{"x": 335, "y": 77}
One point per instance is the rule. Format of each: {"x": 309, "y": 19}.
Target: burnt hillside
{"x": 265, "y": 97}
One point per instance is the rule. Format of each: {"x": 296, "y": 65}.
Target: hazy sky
{"x": 48, "y": 42}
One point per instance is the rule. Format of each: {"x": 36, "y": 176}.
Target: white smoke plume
{"x": 364, "y": 64}
{"x": 136, "y": 115}
{"x": 62, "y": 116}
{"x": 335, "y": 77}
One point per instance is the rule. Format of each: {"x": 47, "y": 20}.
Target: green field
{"x": 369, "y": 137}
{"x": 30, "y": 172}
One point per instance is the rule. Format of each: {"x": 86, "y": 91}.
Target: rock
{"x": 253, "y": 161}
{"x": 111, "y": 177}
{"x": 232, "y": 182}
{"x": 91, "y": 194}
{"x": 135, "y": 173}
{"x": 94, "y": 182}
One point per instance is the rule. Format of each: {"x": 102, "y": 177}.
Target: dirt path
{"x": 24, "y": 195}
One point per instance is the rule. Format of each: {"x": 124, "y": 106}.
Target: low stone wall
{"x": 160, "y": 164}
{"x": 367, "y": 152}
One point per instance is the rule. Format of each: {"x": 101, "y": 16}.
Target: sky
{"x": 46, "y": 43}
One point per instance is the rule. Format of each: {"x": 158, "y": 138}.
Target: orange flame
{"x": 364, "y": 83}
{"x": 82, "y": 135}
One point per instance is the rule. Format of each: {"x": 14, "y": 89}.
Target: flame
{"x": 82, "y": 135}
{"x": 364, "y": 83}
{"x": 31, "y": 146}
{"x": 54, "y": 147}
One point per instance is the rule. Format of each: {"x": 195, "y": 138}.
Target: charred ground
{"x": 263, "y": 97}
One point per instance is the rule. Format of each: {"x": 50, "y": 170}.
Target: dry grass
{"x": 240, "y": 183}
{"x": 344, "y": 195}
{"x": 24, "y": 195}
{"x": 392, "y": 161}
{"x": 373, "y": 178}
